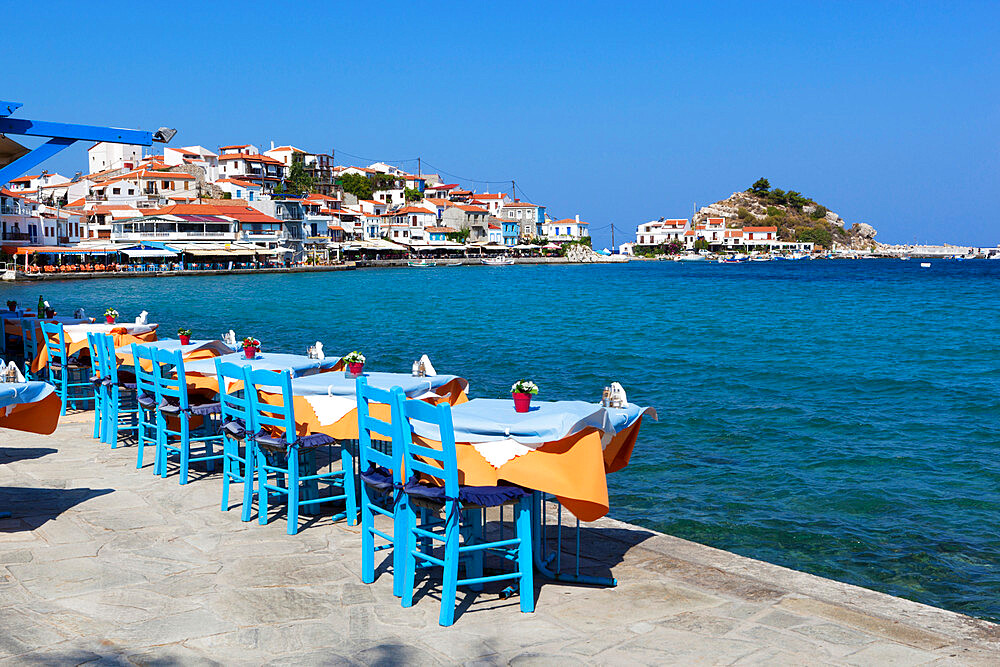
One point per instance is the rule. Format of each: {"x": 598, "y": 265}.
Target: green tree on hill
{"x": 761, "y": 187}
{"x": 299, "y": 182}
{"x": 357, "y": 185}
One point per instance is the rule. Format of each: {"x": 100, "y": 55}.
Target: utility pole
{"x": 513, "y": 190}
{"x": 418, "y": 167}
{"x": 612, "y": 238}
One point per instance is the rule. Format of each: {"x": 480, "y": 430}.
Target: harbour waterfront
{"x": 834, "y": 417}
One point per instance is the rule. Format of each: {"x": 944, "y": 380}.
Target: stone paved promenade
{"x": 104, "y": 563}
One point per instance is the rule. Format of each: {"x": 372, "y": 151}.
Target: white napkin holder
{"x": 141, "y": 319}
{"x": 229, "y": 338}
{"x": 614, "y": 396}
{"x": 427, "y": 367}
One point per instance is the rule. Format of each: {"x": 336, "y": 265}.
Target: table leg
{"x": 543, "y": 561}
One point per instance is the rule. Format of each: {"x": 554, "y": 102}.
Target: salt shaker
{"x": 605, "y": 396}
{"x": 416, "y": 368}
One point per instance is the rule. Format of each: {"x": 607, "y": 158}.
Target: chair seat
{"x": 171, "y": 407}
{"x": 70, "y": 366}
{"x": 378, "y": 478}
{"x": 469, "y": 496}
{"x": 147, "y": 401}
{"x": 236, "y": 428}
{"x": 279, "y": 444}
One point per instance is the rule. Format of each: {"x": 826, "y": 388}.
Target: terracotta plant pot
{"x": 522, "y": 401}
{"x": 185, "y": 340}
{"x": 355, "y": 368}
{"x": 250, "y": 352}
{"x": 109, "y": 319}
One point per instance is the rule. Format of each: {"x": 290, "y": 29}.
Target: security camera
{"x": 164, "y": 135}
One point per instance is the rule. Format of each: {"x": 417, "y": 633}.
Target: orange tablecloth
{"x": 38, "y": 417}
{"x": 42, "y": 359}
{"x": 573, "y": 469}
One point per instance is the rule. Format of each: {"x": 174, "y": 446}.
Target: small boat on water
{"x": 498, "y": 261}
{"x": 690, "y": 257}
{"x": 760, "y": 258}
{"x": 904, "y": 258}
{"x": 423, "y": 263}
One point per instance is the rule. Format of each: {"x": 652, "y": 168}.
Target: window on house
{"x": 116, "y": 191}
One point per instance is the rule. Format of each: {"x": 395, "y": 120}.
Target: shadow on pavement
{"x": 12, "y": 454}
{"x": 30, "y": 507}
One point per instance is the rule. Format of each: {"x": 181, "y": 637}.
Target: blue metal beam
{"x": 37, "y": 128}
{"x": 7, "y": 108}
{"x": 25, "y": 163}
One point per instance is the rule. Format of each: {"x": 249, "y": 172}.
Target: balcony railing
{"x": 17, "y": 236}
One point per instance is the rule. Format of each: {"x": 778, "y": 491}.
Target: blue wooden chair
{"x": 97, "y": 377}
{"x": 381, "y": 480}
{"x": 29, "y": 341}
{"x": 68, "y": 377}
{"x": 144, "y": 359}
{"x": 122, "y": 411}
{"x": 237, "y": 452}
{"x": 282, "y": 454}
{"x": 462, "y": 510}
{"x": 174, "y": 407}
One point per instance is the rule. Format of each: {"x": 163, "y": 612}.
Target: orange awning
{"x": 56, "y": 250}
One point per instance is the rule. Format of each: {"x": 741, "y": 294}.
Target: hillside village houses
{"x": 717, "y": 233}
{"x": 227, "y": 205}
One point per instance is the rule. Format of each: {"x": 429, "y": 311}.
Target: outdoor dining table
{"x": 327, "y": 403}
{"x": 565, "y": 448}
{"x": 29, "y": 406}
{"x": 200, "y": 374}
{"x": 562, "y": 448}
{"x": 76, "y": 338}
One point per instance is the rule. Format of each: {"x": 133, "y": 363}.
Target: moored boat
{"x": 423, "y": 263}
{"x": 498, "y": 261}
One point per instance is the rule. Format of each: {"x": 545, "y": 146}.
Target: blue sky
{"x": 887, "y": 113}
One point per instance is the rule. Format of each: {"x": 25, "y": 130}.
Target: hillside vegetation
{"x": 797, "y": 217}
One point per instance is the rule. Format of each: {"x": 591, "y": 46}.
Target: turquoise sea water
{"x": 837, "y": 417}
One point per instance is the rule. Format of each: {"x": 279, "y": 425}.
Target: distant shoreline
{"x": 21, "y": 277}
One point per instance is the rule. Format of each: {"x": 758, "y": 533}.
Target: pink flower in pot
{"x": 185, "y": 336}
{"x": 522, "y": 391}
{"x": 110, "y": 315}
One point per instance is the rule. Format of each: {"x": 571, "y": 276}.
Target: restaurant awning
{"x": 147, "y": 252}
{"x": 216, "y": 250}
{"x": 60, "y": 250}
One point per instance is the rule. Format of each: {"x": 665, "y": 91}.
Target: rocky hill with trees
{"x": 797, "y": 217}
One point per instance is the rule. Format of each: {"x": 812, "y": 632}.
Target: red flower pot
{"x": 522, "y": 401}
{"x": 355, "y": 368}
{"x": 185, "y": 340}
{"x": 250, "y": 352}
{"x": 109, "y": 319}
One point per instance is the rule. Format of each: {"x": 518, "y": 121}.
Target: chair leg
{"x": 185, "y": 446}
{"x": 227, "y": 471}
{"x": 409, "y": 560}
{"x": 261, "y": 487}
{"x": 112, "y": 413}
{"x": 400, "y": 512}
{"x": 293, "y": 491}
{"x": 347, "y": 465}
{"x": 524, "y": 560}
{"x": 368, "y": 540}
{"x": 248, "y": 480}
{"x": 449, "y": 581}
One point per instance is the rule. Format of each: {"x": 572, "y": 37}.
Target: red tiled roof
{"x": 760, "y": 229}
